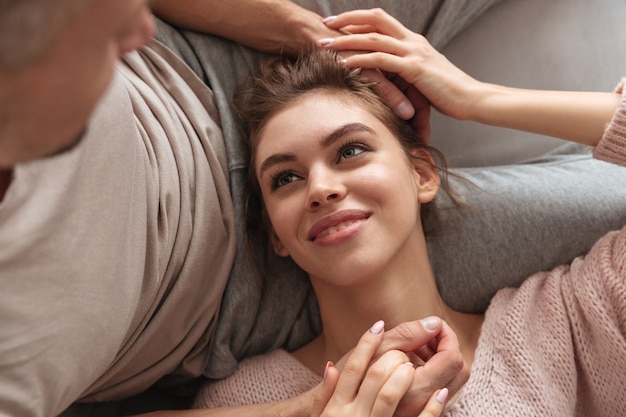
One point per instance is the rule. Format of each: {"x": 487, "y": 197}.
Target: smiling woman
{"x": 341, "y": 195}
{"x": 343, "y": 152}
{"x": 332, "y": 90}
{"x": 339, "y": 186}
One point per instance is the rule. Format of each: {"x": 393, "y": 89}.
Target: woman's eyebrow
{"x": 343, "y": 131}
{"x": 326, "y": 141}
{"x": 277, "y": 158}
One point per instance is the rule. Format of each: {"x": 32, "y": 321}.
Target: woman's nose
{"x": 324, "y": 187}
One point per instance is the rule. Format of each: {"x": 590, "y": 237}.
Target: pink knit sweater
{"x": 554, "y": 347}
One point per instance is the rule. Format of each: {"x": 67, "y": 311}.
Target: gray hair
{"x": 29, "y": 29}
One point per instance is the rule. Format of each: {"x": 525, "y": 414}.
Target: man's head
{"x": 56, "y": 60}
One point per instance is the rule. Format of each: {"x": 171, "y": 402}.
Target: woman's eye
{"x": 282, "y": 179}
{"x": 351, "y": 150}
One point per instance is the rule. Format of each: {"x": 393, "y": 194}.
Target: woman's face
{"x": 341, "y": 193}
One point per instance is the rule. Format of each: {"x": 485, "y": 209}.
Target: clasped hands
{"x": 380, "y": 376}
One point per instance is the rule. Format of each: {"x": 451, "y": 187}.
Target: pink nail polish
{"x": 442, "y": 396}
{"x": 329, "y": 19}
{"x": 325, "y": 41}
{"x": 378, "y": 327}
{"x": 328, "y": 365}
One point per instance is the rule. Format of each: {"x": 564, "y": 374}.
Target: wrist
{"x": 309, "y": 29}
{"x": 480, "y": 103}
{"x": 298, "y": 406}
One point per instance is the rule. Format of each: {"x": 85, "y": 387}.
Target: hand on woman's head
{"x": 421, "y": 117}
{"x": 404, "y": 99}
{"x": 388, "y": 46}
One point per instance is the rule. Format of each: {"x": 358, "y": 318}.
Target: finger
{"x": 378, "y": 18}
{"x": 446, "y": 368}
{"x": 393, "y": 390}
{"x": 358, "y": 29}
{"x": 421, "y": 119}
{"x": 449, "y": 355}
{"x": 357, "y": 363}
{"x": 419, "y": 102}
{"x": 388, "y": 62}
{"x": 409, "y": 336}
{"x": 434, "y": 406}
{"x": 425, "y": 352}
{"x": 376, "y": 377}
{"x": 325, "y": 390}
{"x": 367, "y": 42}
{"x": 391, "y": 94}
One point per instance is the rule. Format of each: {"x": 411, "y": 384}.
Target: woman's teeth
{"x": 335, "y": 229}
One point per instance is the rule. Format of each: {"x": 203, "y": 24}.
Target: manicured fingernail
{"x": 430, "y": 323}
{"x": 442, "y": 396}
{"x": 328, "y": 365}
{"x": 326, "y": 41}
{"x": 329, "y": 19}
{"x": 410, "y": 364}
{"x": 404, "y": 110}
{"x": 378, "y": 327}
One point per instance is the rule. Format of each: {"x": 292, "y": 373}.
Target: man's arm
{"x": 274, "y": 26}
{"x": 271, "y": 26}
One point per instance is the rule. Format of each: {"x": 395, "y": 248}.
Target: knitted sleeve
{"x": 275, "y": 376}
{"x": 612, "y": 145}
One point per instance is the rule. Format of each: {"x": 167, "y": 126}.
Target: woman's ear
{"x": 277, "y": 245}
{"x": 426, "y": 175}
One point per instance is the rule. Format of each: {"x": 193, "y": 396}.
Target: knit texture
{"x": 275, "y": 376}
{"x": 615, "y": 134}
{"x": 554, "y": 347}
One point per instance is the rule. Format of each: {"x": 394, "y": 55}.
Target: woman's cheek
{"x": 285, "y": 219}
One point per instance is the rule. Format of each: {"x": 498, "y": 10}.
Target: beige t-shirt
{"x": 114, "y": 254}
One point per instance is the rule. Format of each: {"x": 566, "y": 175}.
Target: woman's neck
{"x": 395, "y": 297}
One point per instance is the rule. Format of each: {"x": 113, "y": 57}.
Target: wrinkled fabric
{"x": 114, "y": 254}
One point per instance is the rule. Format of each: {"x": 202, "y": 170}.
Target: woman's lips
{"x": 337, "y": 227}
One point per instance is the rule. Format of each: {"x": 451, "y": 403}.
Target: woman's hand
{"x": 434, "y": 342}
{"x": 369, "y": 386}
{"x": 392, "y": 48}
